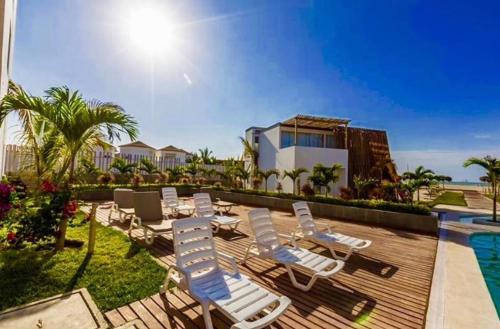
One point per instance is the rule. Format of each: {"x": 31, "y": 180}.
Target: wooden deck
{"x": 386, "y": 286}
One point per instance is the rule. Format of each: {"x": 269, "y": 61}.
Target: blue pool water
{"x": 487, "y": 249}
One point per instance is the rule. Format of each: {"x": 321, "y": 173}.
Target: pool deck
{"x": 459, "y": 296}
{"x": 385, "y": 286}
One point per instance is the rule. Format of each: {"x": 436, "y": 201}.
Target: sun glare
{"x": 151, "y": 31}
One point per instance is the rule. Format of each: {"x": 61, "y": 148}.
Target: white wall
{"x": 7, "y": 35}
{"x": 179, "y": 156}
{"x": 289, "y": 158}
{"x": 137, "y": 151}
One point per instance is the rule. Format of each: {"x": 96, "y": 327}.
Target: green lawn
{"x": 449, "y": 198}
{"x": 118, "y": 273}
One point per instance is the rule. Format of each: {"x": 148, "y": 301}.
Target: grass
{"x": 449, "y": 198}
{"x": 119, "y": 271}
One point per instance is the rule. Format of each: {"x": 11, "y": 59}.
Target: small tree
{"x": 294, "y": 175}
{"x": 192, "y": 169}
{"x": 361, "y": 184}
{"x": 148, "y": 167}
{"x": 492, "y": 167}
{"x": 266, "y": 174}
{"x": 125, "y": 169}
{"x": 175, "y": 174}
{"x": 421, "y": 177}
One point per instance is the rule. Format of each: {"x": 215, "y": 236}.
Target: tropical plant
{"x": 492, "y": 167}
{"x": 206, "y": 156}
{"x": 421, "y": 177}
{"x": 122, "y": 166}
{"x": 175, "y": 173}
{"x": 307, "y": 189}
{"x": 266, "y": 174}
{"x": 74, "y": 124}
{"x": 208, "y": 172}
{"x": 322, "y": 176}
{"x": 251, "y": 153}
{"x": 243, "y": 174}
{"x": 194, "y": 158}
{"x": 148, "y": 167}
{"x": 294, "y": 175}
{"x": 192, "y": 169}
{"x": 442, "y": 179}
{"x": 362, "y": 184}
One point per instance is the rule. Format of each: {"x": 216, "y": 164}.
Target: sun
{"x": 151, "y": 30}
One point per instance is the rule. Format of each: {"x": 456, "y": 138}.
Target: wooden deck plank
{"x": 115, "y": 318}
{"x": 385, "y": 286}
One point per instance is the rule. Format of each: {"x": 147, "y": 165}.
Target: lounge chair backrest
{"x": 203, "y": 205}
{"x": 123, "y": 197}
{"x": 169, "y": 195}
{"x": 194, "y": 246}
{"x": 263, "y": 229}
{"x": 305, "y": 218}
{"x": 147, "y": 206}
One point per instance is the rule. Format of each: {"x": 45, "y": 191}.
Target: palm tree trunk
{"x": 265, "y": 184}
{"x": 495, "y": 194}
{"x": 294, "y": 185}
{"x": 418, "y": 195}
{"x": 62, "y": 234}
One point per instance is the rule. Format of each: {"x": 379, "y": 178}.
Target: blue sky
{"x": 425, "y": 71}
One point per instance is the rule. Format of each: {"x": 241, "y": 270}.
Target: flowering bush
{"x": 36, "y": 218}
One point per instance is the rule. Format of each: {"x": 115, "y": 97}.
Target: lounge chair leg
{"x": 299, "y": 285}
{"x": 206, "y": 316}
{"x": 235, "y": 227}
{"x": 216, "y": 228}
{"x": 247, "y": 254}
{"x": 335, "y": 256}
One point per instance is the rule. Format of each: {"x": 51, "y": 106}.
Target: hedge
{"x": 141, "y": 187}
{"x": 370, "y": 204}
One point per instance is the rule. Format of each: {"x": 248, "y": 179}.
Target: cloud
{"x": 483, "y": 136}
{"x": 447, "y": 162}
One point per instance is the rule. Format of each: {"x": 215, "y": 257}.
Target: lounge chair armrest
{"x": 136, "y": 219}
{"x": 284, "y": 303}
{"x": 328, "y": 226}
{"x": 230, "y": 259}
{"x": 290, "y": 238}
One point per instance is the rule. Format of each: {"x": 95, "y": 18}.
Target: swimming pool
{"x": 487, "y": 249}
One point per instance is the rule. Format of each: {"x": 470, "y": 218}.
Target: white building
{"x": 173, "y": 153}
{"x": 137, "y": 150}
{"x": 7, "y": 31}
{"x": 302, "y": 141}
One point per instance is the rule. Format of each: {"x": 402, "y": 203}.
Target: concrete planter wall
{"x": 106, "y": 195}
{"x": 410, "y": 222}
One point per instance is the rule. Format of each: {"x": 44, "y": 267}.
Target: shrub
{"x": 307, "y": 190}
{"x": 105, "y": 178}
{"x": 136, "y": 180}
{"x": 346, "y": 193}
{"x": 370, "y": 204}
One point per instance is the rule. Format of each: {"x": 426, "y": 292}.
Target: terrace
{"x": 386, "y": 286}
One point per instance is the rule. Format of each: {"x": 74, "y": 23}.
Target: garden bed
{"x": 421, "y": 223}
{"x": 119, "y": 271}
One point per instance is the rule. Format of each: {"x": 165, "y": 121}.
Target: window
{"x": 331, "y": 142}
{"x": 310, "y": 140}
{"x": 287, "y": 139}
{"x": 303, "y": 139}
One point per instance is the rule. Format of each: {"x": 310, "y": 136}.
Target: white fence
{"x": 19, "y": 157}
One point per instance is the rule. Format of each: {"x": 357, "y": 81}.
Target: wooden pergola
{"x": 315, "y": 122}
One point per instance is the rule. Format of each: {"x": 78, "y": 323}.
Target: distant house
{"x": 136, "y": 150}
{"x": 304, "y": 141}
{"x": 173, "y": 153}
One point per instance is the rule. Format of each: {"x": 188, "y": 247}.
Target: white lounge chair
{"x": 149, "y": 216}
{"x": 197, "y": 270}
{"x": 172, "y": 202}
{"x": 307, "y": 229}
{"x": 204, "y": 208}
{"x": 123, "y": 204}
{"x": 268, "y": 246}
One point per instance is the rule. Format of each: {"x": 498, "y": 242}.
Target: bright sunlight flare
{"x": 151, "y": 30}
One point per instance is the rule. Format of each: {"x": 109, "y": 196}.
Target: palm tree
{"x": 420, "y": 176}
{"x": 294, "y": 175}
{"x": 122, "y": 166}
{"x": 243, "y": 174}
{"x": 206, "y": 156}
{"x": 492, "y": 167}
{"x": 79, "y": 125}
{"x": 266, "y": 174}
{"x": 175, "y": 173}
{"x": 192, "y": 169}
{"x": 250, "y": 152}
{"x": 148, "y": 167}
